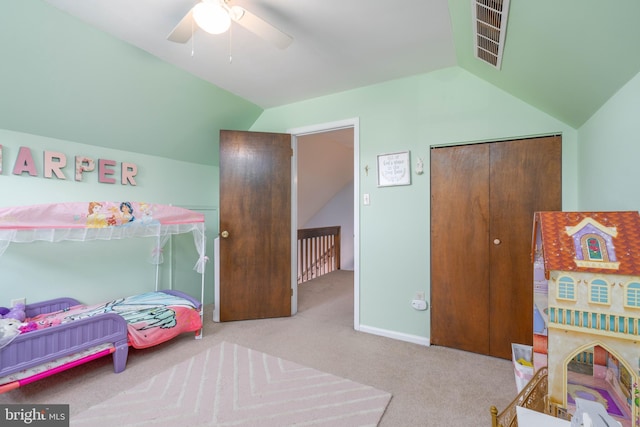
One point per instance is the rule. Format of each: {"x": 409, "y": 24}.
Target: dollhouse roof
{"x": 558, "y": 234}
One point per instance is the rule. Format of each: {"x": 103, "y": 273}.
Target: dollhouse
{"x": 587, "y": 309}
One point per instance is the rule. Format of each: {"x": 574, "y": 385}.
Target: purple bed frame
{"x": 44, "y": 345}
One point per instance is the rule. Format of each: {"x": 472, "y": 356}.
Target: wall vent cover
{"x": 490, "y": 28}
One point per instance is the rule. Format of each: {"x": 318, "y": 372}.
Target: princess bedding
{"x": 55, "y": 335}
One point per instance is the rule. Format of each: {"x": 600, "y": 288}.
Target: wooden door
{"x": 525, "y": 177}
{"x": 459, "y": 256}
{"x": 255, "y": 225}
{"x": 482, "y": 202}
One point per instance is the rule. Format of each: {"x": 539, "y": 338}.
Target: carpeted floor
{"x": 431, "y": 386}
{"x": 231, "y": 385}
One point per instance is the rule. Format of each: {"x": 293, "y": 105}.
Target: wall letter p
{"x": 84, "y": 164}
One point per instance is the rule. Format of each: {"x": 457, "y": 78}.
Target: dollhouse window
{"x": 593, "y": 249}
{"x": 633, "y": 295}
{"x": 566, "y": 288}
{"x": 599, "y": 292}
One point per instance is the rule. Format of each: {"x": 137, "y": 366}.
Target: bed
{"x": 61, "y": 333}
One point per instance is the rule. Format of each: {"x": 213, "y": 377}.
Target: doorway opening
{"x": 321, "y": 183}
{"x": 597, "y": 374}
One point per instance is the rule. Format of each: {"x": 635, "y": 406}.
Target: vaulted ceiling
{"x": 565, "y": 58}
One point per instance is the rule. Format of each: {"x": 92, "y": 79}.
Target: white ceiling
{"x": 337, "y": 46}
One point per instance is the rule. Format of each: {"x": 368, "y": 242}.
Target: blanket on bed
{"x": 152, "y": 317}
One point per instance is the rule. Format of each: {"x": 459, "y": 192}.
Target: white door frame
{"x": 321, "y": 128}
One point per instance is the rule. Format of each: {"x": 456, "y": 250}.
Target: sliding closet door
{"x": 459, "y": 252}
{"x": 525, "y": 178}
{"x": 482, "y": 202}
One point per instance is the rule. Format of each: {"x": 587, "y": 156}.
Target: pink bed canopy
{"x": 82, "y": 221}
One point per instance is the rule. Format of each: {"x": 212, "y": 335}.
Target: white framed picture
{"x": 394, "y": 169}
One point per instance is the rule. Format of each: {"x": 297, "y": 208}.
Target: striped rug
{"x": 230, "y": 385}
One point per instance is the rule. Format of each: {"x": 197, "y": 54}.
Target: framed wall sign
{"x": 394, "y": 169}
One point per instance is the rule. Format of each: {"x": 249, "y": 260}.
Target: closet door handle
{"x": 496, "y": 241}
{"x": 224, "y": 234}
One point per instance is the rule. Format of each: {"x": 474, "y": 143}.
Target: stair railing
{"x": 318, "y": 252}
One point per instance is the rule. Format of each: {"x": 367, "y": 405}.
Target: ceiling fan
{"x": 215, "y": 16}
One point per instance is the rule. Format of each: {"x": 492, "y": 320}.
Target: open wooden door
{"x": 255, "y": 225}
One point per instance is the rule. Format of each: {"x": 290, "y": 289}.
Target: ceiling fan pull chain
{"x": 230, "y": 55}
{"x": 193, "y": 48}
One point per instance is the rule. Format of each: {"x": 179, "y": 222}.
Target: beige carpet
{"x": 231, "y": 385}
{"x": 431, "y": 386}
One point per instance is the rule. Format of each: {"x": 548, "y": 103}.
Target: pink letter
{"x": 129, "y": 170}
{"x": 103, "y": 171}
{"x": 83, "y": 164}
{"x": 24, "y": 163}
{"x": 53, "y": 162}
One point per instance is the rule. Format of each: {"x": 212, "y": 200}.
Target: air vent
{"x": 490, "y": 28}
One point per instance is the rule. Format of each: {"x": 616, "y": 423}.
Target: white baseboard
{"x": 395, "y": 335}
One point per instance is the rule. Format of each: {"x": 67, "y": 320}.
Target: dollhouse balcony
{"x": 613, "y": 325}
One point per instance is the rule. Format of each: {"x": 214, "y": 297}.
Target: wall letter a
{"x": 24, "y": 163}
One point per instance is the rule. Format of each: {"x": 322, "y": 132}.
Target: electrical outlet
{"x": 17, "y": 301}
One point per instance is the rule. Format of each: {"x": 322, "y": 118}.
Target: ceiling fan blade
{"x": 184, "y": 30}
{"x": 260, "y": 27}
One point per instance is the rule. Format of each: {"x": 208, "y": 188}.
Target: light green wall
{"x": 82, "y": 90}
{"x": 549, "y": 59}
{"x": 445, "y": 107}
{"x": 66, "y": 86}
{"x": 65, "y": 79}
{"x": 96, "y": 271}
{"x": 609, "y": 156}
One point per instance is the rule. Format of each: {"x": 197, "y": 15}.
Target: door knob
{"x": 224, "y": 234}
{"x": 496, "y": 241}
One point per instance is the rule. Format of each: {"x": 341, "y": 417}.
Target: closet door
{"x": 525, "y": 177}
{"x": 459, "y": 251}
{"x": 482, "y": 202}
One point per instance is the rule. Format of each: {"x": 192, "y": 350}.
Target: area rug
{"x": 230, "y": 385}
{"x": 595, "y": 394}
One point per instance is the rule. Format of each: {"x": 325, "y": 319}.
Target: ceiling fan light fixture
{"x": 236, "y": 13}
{"x": 211, "y": 17}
